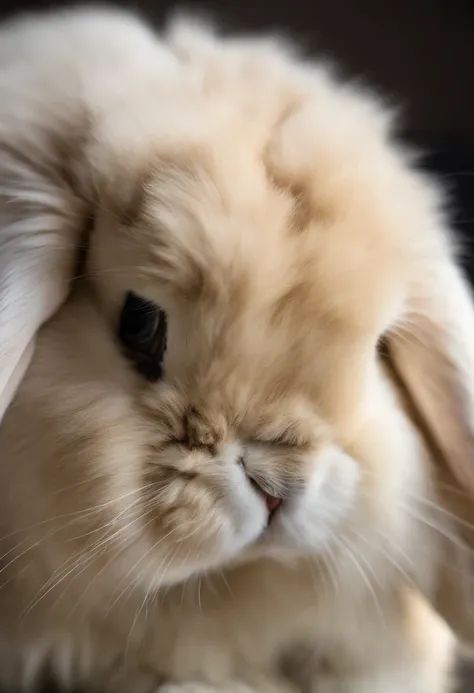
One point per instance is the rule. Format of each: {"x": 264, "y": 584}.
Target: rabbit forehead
{"x": 221, "y": 219}
{"x": 219, "y": 231}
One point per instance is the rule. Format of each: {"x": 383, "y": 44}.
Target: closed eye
{"x": 282, "y": 441}
{"x": 291, "y": 435}
{"x": 142, "y": 331}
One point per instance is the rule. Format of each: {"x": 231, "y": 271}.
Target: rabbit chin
{"x": 304, "y": 525}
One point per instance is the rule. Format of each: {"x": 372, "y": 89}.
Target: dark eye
{"x": 142, "y": 332}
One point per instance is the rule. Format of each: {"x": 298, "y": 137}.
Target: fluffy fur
{"x": 266, "y": 208}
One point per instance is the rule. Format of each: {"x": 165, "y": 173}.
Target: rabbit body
{"x": 266, "y": 210}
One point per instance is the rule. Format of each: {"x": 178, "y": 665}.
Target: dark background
{"x": 419, "y": 52}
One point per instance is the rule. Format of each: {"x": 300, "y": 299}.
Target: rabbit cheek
{"x": 309, "y": 521}
{"x": 198, "y": 520}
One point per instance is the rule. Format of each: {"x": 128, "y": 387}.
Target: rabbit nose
{"x": 272, "y": 502}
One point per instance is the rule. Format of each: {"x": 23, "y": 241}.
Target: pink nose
{"x": 272, "y": 502}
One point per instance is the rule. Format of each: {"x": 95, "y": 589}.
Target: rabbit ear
{"x": 51, "y": 94}
{"x": 40, "y": 227}
{"x": 433, "y": 353}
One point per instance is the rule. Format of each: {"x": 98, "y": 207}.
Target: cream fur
{"x": 267, "y": 209}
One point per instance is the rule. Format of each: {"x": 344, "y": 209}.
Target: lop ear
{"x": 40, "y": 228}
{"x": 433, "y": 353}
{"x": 43, "y": 189}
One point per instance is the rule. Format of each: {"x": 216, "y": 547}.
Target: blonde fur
{"x": 266, "y": 208}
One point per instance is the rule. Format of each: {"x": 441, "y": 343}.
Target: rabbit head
{"x": 215, "y": 390}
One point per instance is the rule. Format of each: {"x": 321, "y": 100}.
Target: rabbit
{"x": 237, "y": 358}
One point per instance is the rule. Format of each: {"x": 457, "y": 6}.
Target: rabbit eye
{"x": 142, "y": 332}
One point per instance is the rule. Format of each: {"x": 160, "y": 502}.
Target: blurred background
{"x": 419, "y": 53}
